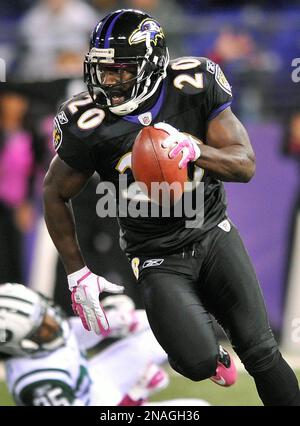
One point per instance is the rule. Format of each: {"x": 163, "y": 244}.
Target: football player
{"x": 185, "y": 273}
{"x": 46, "y": 361}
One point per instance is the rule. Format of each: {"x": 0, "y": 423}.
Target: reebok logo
{"x": 152, "y": 262}
{"x": 62, "y": 118}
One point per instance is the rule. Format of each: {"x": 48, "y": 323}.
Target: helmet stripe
{"x": 8, "y": 296}
{"x": 99, "y": 30}
{"x": 14, "y": 311}
{"x": 110, "y": 28}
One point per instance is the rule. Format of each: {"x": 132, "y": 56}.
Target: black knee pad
{"x": 200, "y": 371}
{"x": 261, "y": 357}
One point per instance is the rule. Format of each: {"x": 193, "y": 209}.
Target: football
{"x": 152, "y": 166}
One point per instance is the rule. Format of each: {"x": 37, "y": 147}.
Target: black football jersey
{"x": 88, "y": 138}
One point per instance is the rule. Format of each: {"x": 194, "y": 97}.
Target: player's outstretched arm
{"x": 228, "y": 154}
{"x": 60, "y": 185}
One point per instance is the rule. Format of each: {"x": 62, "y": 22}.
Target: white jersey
{"x": 60, "y": 378}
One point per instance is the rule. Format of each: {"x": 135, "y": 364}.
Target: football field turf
{"x": 242, "y": 393}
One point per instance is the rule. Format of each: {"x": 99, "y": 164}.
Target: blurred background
{"x": 257, "y": 43}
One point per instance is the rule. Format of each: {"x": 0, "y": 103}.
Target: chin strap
{"x": 125, "y": 108}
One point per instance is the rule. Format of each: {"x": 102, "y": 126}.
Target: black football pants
{"x": 215, "y": 276}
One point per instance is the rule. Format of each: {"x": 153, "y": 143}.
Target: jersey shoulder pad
{"x": 197, "y": 74}
{"x": 65, "y": 121}
{"x": 189, "y": 74}
{"x": 46, "y": 393}
{"x": 80, "y": 113}
{"x": 77, "y": 118}
{"x": 76, "y": 104}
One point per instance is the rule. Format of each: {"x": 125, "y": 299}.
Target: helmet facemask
{"x": 49, "y": 335}
{"x": 148, "y": 72}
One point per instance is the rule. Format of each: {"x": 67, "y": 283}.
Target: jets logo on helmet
{"x": 146, "y": 28}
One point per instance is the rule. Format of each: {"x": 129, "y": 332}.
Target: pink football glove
{"x": 86, "y": 288}
{"x": 180, "y": 143}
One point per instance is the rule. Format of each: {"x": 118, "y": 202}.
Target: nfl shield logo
{"x": 145, "y": 119}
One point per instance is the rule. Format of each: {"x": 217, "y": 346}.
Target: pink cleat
{"x": 153, "y": 380}
{"x": 158, "y": 379}
{"x": 226, "y": 373}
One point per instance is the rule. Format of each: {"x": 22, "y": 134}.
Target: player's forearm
{"x": 230, "y": 164}
{"x": 61, "y": 227}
